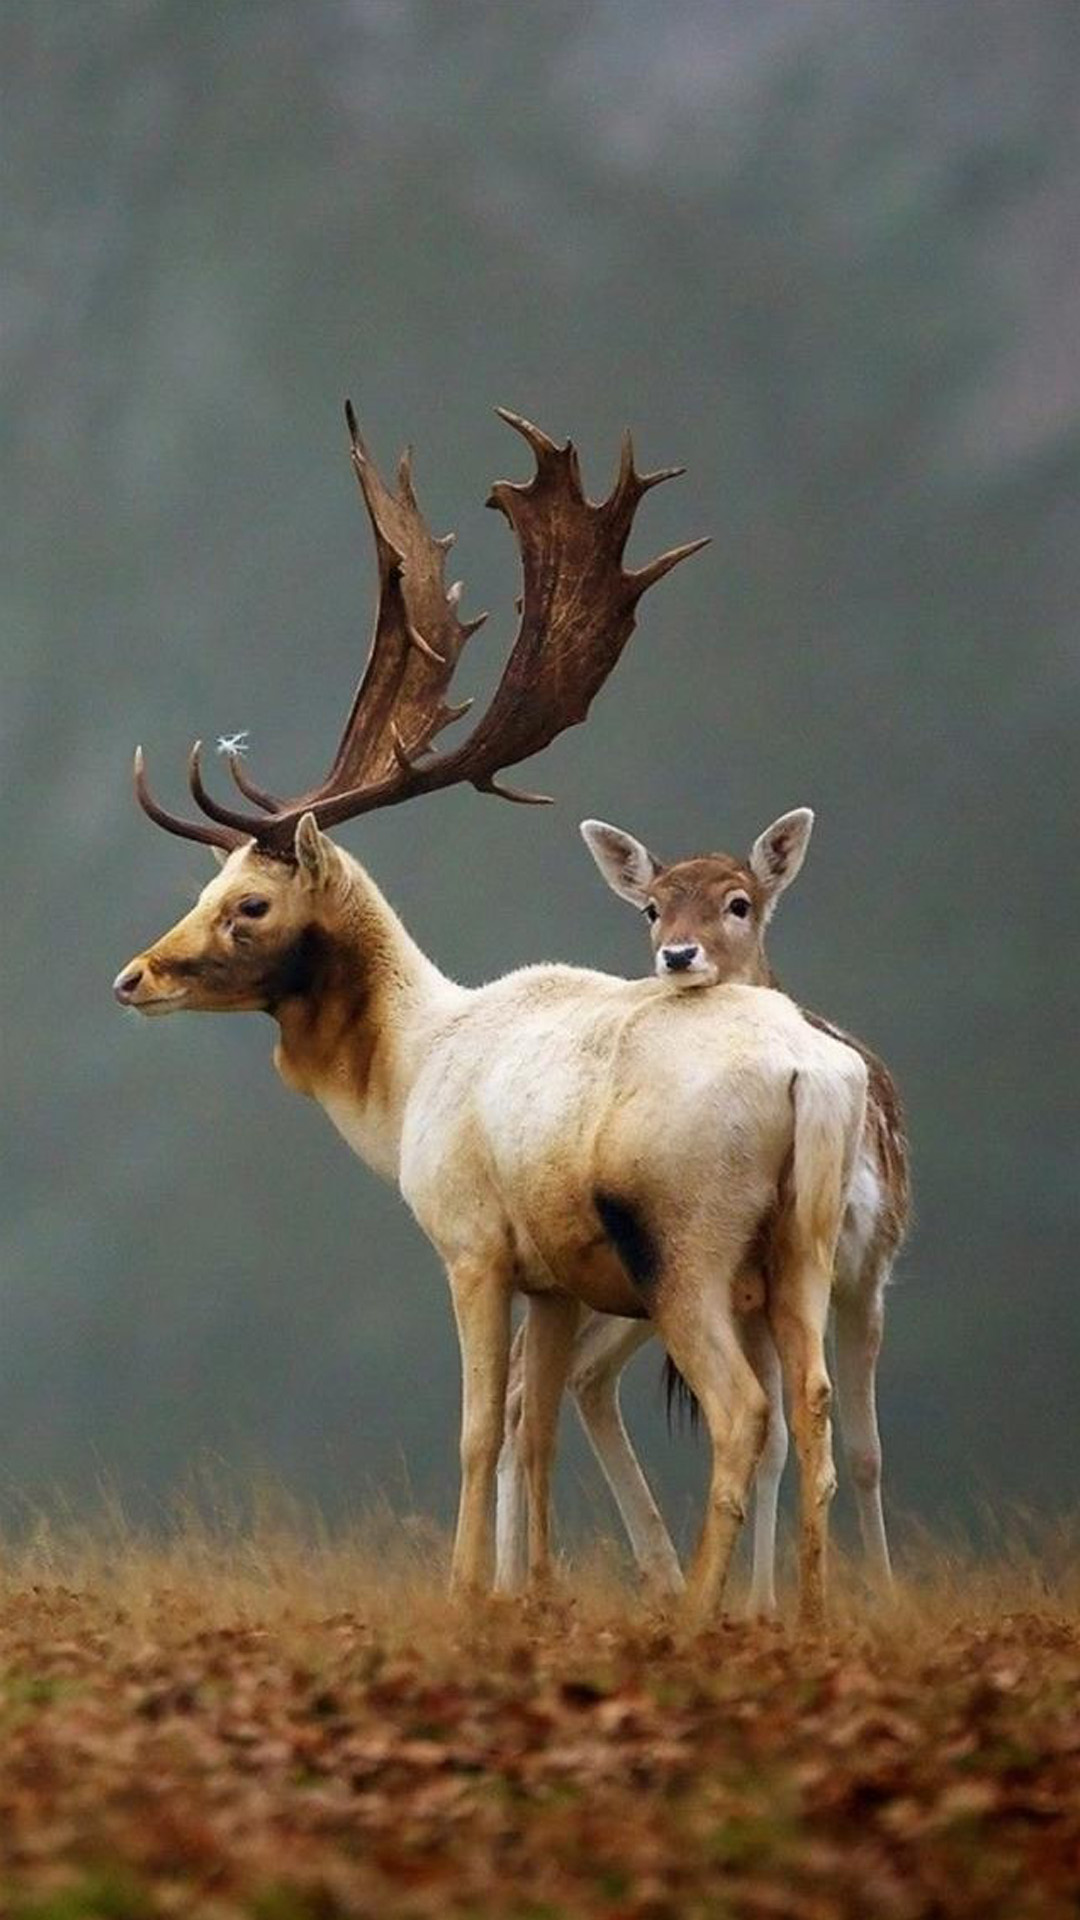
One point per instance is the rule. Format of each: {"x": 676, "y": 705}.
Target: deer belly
{"x": 578, "y": 1258}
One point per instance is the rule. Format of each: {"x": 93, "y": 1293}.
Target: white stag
{"x": 578, "y": 1138}
{"x": 707, "y": 921}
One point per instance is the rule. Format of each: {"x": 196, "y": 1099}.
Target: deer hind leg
{"x": 695, "y": 1321}
{"x": 550, "y": 1325}
{"x": 481, "y": 1297}
{"x": 860, "y": 1316}
{"x": 798, "y": 1311}
{"x": 601, "y": 1351}
{"x": 760, "y": 1349}
{"x": 510, "y": 1494}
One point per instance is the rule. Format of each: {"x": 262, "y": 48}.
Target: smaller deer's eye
{"x": 651, "y": 911}
{"x": 253, "y": 908}
{"x": 739, "y": 905}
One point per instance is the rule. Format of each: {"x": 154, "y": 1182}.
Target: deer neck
{"x": 355, "y": 1029}
{"x": 755, "y": 972}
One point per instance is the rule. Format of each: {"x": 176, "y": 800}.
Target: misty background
{"x": 826, "y": 256}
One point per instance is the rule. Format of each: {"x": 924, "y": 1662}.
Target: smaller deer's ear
{"x": 315, "y": 854}
{"x": 778, "y": 853}
{"x": 627, "y": 866}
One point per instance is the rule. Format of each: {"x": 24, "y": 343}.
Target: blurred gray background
{"x": 827, "y": 256}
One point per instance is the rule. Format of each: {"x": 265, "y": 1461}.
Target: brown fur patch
{"x": 332, "y": 1023}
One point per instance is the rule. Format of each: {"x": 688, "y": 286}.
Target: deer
{"x": 583, "y": 1140}
{"x": 707, "y": 918}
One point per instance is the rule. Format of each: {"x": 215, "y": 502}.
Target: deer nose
{"x": 126, "y": 982}
{"x": 679, "y": 959}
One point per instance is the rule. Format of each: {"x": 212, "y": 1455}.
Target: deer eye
{"x": 739, "y": 905}
{"x": 651, "y": 911}
{"x": 253, "y": 908}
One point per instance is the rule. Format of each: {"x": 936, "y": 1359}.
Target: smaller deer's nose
{"x": 679, "y": 959}
{"x": 126, "y": 982}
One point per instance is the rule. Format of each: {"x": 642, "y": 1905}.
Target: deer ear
{"x": 316, "y": 856}
{"x": 778, "y": 853}
{"x": 627, "y": 866}
{"x": 224, "y": 854}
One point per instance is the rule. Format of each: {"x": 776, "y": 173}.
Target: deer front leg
{"x": 481, "y": 1297}
{"x": 602, "y": 1348}
{"x": 798, "y": 1311}
{"x": 550, "y": 1325}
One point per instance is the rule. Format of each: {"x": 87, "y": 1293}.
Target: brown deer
{"x": 546, "y": 1130}
{"x": 707, "y": 920}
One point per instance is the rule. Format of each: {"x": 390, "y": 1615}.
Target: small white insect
{"x": 233, "y": 742}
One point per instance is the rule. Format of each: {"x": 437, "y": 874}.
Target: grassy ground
{"x": 290, "y": 1730}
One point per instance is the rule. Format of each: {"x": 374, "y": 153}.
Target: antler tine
{"x": 468, "y": 627}
{"x": 417, "y": 640}
{"x": 172, "y": 822}
{"x": 401, "y": 754}
{"x": 356, "y": 438}
{"x": 644, "y": 577}
{"x": 647, "y": 481}
{"x": 552, "y": 460}
{"x": 242, "y": 823}
{"x": 405, "y": 479}
{"x": 540, "y": 442}
{"x": 628, "y": 475}
{"x": 631, "y": 487}
{"x": 267, "y": 801}
{"x": 520, "y": 796}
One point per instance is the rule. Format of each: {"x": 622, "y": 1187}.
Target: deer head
{"x": 257, "y": 927}
{"x": 707, "y": 916}
{"x": 260, "y": 933}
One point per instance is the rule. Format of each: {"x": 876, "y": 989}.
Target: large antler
{"x": 578, "y": 609}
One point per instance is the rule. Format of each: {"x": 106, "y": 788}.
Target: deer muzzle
{"x": 136, "y": 985}
{"x": 685, "y": 962}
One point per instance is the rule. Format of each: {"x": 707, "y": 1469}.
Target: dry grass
{"x": 252, "y": 1717}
